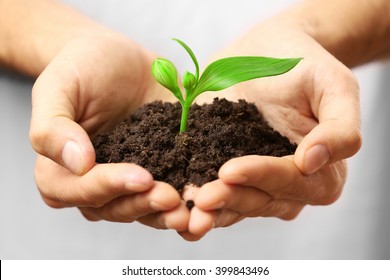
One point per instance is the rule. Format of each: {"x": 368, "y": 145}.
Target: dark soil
{"x": 215, "y": 133}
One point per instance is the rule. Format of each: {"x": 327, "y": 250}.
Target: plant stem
{"x": 184, "y": 117}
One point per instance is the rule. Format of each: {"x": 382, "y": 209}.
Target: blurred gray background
{"x": 357, "y": 226}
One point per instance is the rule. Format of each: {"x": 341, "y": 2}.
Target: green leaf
{"x": 191, "y": 53}
{"x": 227, "y": 72}
{"x": 189, "y": 81}
{"x": 219, "y": 75}
{"x": 165, "y": 73}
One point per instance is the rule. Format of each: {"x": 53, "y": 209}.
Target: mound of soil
{"x": 215, "y": 133}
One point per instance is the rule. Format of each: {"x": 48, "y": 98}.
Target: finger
{"x": 217, "y": 194}
{"x": 201, "y": 222}
{"x": 53, "y": 130}
{"x": 128, "y": 208}
{"x": 337, "y": 136}
{"x": 103, "y": 183}
{"x": 188, "y": 236}
{"x": 247, "y": 201}
{"x": 274, "y": 176}
{"x": 281, "y": 179}
{"x": 176, "y": 219}
{"x": 227, "y": 217}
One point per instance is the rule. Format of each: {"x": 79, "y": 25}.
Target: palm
{"x": 104, "y": 81}
{"x": 307, "y": 105}
{"x": 90, "y": 86}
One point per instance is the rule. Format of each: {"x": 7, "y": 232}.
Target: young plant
{"x": 219, "y": 75}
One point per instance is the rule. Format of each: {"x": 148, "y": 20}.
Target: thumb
{"x": 327, "y": 143}
{"x": 337, "y": 136}
{"x": 53, "y": 130}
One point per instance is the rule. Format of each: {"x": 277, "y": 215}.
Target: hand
{"x": 315, "y": 105}
{"x": 90, "y": 86}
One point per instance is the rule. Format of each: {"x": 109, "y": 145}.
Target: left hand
{"x": 315, "y": 105}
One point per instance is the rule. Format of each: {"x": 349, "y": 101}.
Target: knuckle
{"x": 331, "y": 190}
{"x": 140, "y": 209}
{"x": 292, "y": 213}
{"x": 267, "y": 210}
{"x": 91, "y": 218}
{"x": 354, "y": 140}
{"x": 51, "y": 198}
{"x": 56, "y": 204}
{"x": 270, "y": 208}
{"x": 118, "y": 217}
{"x": 111, "y": 182}
{"x": 88, "y": 215}
{"x": 283, "y": 209}
{"x": 325, "y": 187}
{"x": 89, "y": 200}
{"x": 330, "y": 198}
{"x": 113, "y": 214}
{"x": 289, "y": 216}
{"x": 39, "y": 135}
{"x": 327, "y": 197}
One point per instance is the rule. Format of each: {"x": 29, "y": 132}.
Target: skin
{"x": 84, "y": 101}
{"x": 309, "y": 111}
{"x": 73, "y": 100}
{"x": 310, "y": 108}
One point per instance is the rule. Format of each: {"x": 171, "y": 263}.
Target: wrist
{"x": 354, "y": 31}
{"x": 33, "y": 32}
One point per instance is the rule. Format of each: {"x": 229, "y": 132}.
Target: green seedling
{"x": 219, "y": 75}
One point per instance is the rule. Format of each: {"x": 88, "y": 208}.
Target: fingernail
{"x": 73, "y": 157}
{"x": 316, "y": 157}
